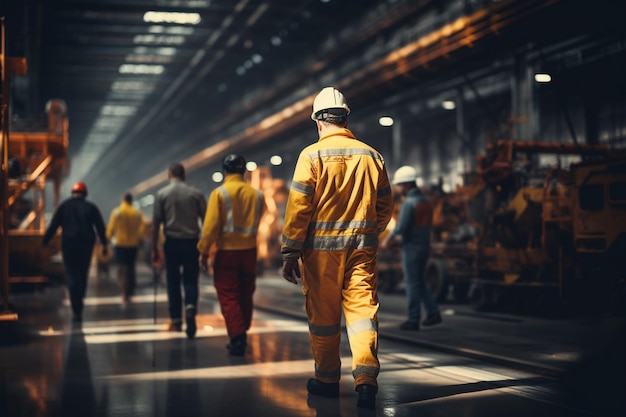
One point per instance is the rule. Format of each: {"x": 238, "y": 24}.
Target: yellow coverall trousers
{"x": 335, "y": 280}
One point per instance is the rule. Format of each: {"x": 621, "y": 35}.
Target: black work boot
{"x": 190, "y": 318}
{"x": 323, "y": 389}
{"x": 432, "y": 319}
{"x": 366, "y": 397}
{"x": 237, "y": 345}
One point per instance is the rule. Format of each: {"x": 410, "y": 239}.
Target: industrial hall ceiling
{"x": 151, "y": 82}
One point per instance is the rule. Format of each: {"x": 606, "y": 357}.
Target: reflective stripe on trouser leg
{"x": 322, "y": 281}
{"x": 360, "y": 306}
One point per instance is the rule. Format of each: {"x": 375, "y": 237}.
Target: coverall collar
{"x": 233, "y": 177}
{"x": 339, "y": 132}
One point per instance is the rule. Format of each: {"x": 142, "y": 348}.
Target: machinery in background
{"x": 38, "y": 156}
{"x": 532, "y": 239}
{"x": 33, "y": 152}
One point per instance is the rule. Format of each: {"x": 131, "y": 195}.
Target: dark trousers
{"x": 126, "y": 274}
{"x": 181, "y": 265}
{"x": 235, "y": 281}
{"x": 76, "y": 260}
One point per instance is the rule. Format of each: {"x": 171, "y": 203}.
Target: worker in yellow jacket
{"x": 339, "y": 202}
{"x": 231, "y": 222}
{"x": 126, "y": 228}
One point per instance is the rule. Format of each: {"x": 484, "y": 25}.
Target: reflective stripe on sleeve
{"x": 292, "y": 243}
{"x": 301, "y": 188}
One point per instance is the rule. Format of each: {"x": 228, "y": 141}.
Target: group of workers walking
{"x": 340, "y": 202}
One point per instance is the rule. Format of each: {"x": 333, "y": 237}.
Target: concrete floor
{"x": 121, "y": 362}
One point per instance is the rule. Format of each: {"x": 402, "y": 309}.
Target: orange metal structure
{"x": 33, "y": 152}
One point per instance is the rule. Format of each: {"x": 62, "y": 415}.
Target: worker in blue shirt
{"x": 414, "y": 225}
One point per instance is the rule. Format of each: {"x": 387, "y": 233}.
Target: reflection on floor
{"x": 121, "y": 362}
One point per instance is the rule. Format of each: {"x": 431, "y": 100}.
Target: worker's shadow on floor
{"x": 78, "y": 397}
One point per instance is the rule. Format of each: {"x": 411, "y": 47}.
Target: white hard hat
{"x": 329, "y": 99}
{"x": 404, "y": 174}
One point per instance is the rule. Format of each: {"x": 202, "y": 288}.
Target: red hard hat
{"x": 79, "y": 187}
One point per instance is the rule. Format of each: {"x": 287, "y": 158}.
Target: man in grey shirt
{"x": 180, "y": 208}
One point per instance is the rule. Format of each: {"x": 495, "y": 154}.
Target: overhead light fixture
{"x": 147, "y": 59}
{"x": 448, "y": 105}
{"x": 132, "y": 86}
{"x": 159, "y": 39}
{"x": 172, "y": 17}
{"x": 251, "y": 166}
{"x": 116, "y": 110}
{"x": 543, "y": 78}
{"x": 385, "y": 121}
{"x": 217, "y": 176}
{"x": 171, "y": 30}
{"x": 276, "y": 160}
{"x": 141, "y": 69}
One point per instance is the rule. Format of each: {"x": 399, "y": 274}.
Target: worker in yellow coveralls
{"x": 339, "y": 202}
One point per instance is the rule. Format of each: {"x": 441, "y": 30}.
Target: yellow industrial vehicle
{"x": 534, "y": 239}
{"x": 33, "y": 152}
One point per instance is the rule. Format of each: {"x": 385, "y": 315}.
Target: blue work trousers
{"x": 414, "y": 258}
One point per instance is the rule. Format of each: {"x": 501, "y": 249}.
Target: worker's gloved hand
{"x": 291, "y": 270}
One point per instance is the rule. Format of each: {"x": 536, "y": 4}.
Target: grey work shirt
{"x": 181, "y": 208}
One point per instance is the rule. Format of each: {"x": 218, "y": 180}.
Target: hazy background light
{"x": 543, "y": 78}
{"x": 147, "y": 200}
{"x": 448, "y": 105}
{"x": 251, "y": 166}
{"x": 217, "y": 176}
{"x": 141, "y": 69}
{"x": 276, "y": 160}
{"x": 385, "y": 121}
{"x": 172, "y": 17}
